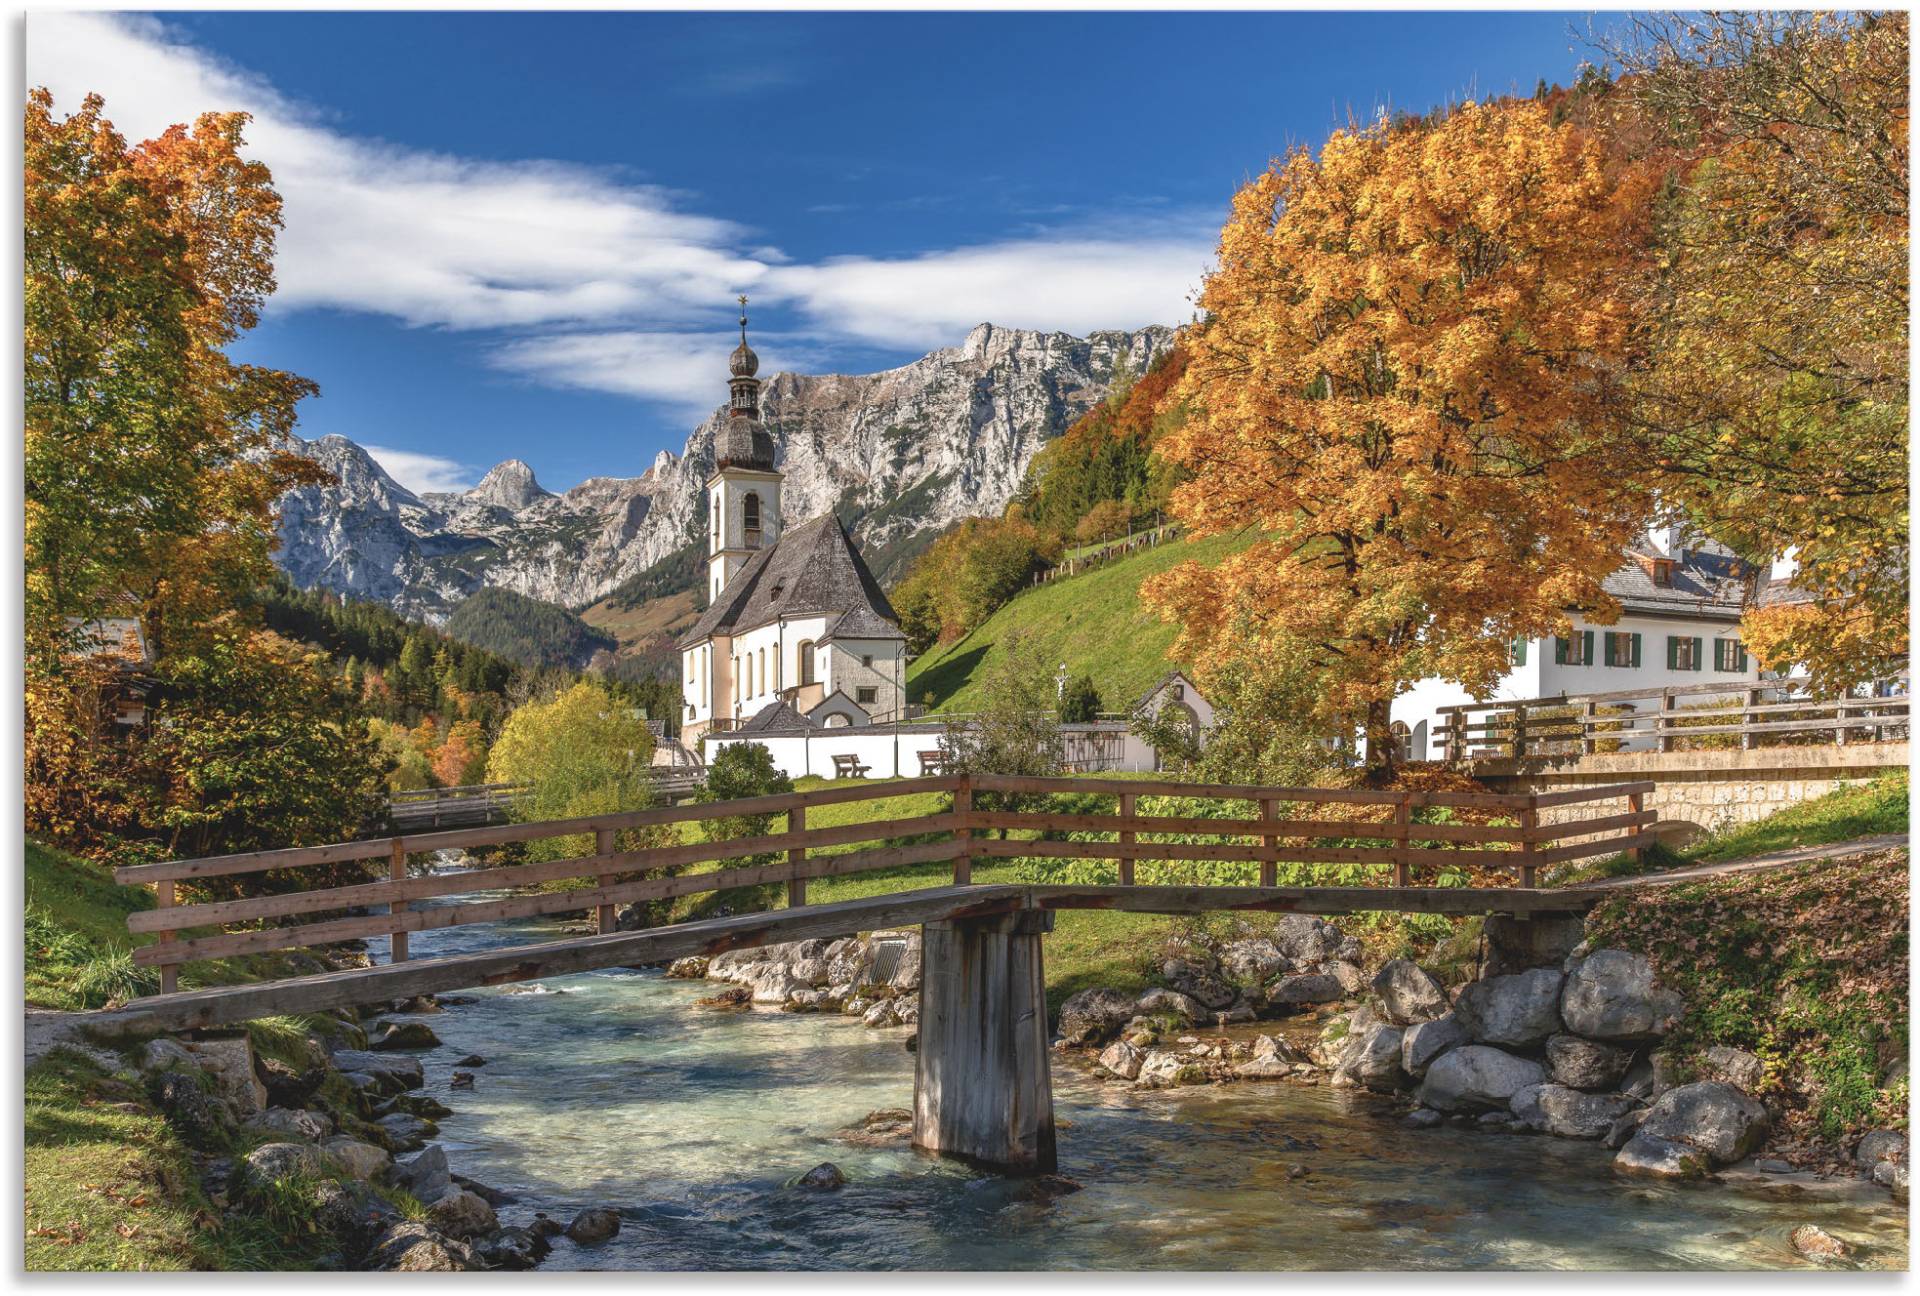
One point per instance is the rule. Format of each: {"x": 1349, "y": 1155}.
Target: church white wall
{"x": 878, "y": 664}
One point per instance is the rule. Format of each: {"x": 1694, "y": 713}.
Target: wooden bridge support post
{"x": 796, "y": 859}
{"x": 397, "y": 872}
{"x": 603, "y": 845}
{"x": 982, "y": 1090}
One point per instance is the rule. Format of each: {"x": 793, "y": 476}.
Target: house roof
{"x": 1704, "y": 584}
{"x": 812, "y": 569}
{"x": 1161, "y": 683}
{"x": 1779, "y": 591}
{"x": 775, "y": 717}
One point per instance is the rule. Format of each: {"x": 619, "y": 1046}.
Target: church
{"x": 797, "y": 634}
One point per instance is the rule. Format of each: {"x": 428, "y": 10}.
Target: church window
{"x": 866, "y": 659}
{"x": 866, "y": 696}
{"x": 763, "y": 670}
{"x": 750, "y": 518}
{"x": 806, "y": 661}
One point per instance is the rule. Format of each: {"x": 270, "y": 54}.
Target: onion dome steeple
{"x": 744, "y": 442}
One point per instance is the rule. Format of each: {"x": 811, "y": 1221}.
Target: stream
{"x": 612, "y": 1089}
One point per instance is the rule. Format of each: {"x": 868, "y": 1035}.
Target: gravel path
{"x": 1753, "y": 863}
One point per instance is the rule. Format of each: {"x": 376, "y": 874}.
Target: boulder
{"x": 460, "y": 1080}
{"x": 595, "y": 1224}
{"x": 410, "y": 1247}
{"x": 1520, "y": 1010}
{"x": 1424, "y": 1041}
{"x": 511, "y": 1249}
{"x": 690, "y": 968}
{"x": 165, "y": 1054}
{"x": 884, "y": 1013}
{"x": 1122, "y": 1059}
{"x": 287, "y": 1087}
{"x": 352, "y": 1212}
{"x": 888, "y": 1127}
{"x": 1568, "y": 1113}
{"x": 1306, "y": 939}
{"x": 461, "y": 1214}
{"x": 229, "y": 1063}
{"x": 1092, "y": 1015}
{"x": 1812, "y": 1240}
{"x": 405, "y": 1131}
{"x": 906, "y": 971}
{"x": 199, "y": 1118}
{"x": 811, "y": 970}
{"x": 1892, "y": 1175}
{"x": 773, "y": 983}
{"x": 1408, "y": 993}
{"x": 1423, "y": 1118}
{"x": 1252, "y": 962}
{"x": 1340, "y": 1033}
{"x": 1372, "y": 1061}
{"x": 1612, "y": 994}
{"x": 356, "y": 1159}
{"x": 1238, "y": 1013}
{"x": 825, "y": 1177}
{"x": 1161, "y": 1069}
{"x": 299, "y": 1124}
{"x": 1880, "y": 1145}
{"x": 1710, "y": 1116}
{"x": 390, "y": 1074}
{"x": 425, "y": 1106}
{"x": 1623, "y": 1129}
{"x": 404, "y": 1035}
{"x": 732, "y": 999}
{"x": 1737, "y": 1067}
{"x": 1586, "y": 1064}
{"x": 1659, "y": 1158}
{"x": 1162, "y": 1002}
{"x": 1198, "y": 981}
{"x": 1302, "y": 990}
{"x": 1352, "y": 980}
{"x": 1272, "y": 1046}
{"x": 273, "y": 1161}
{"x": 491, "y": 1196}
{"x": 1264, "y": 1068}
{"x": 849, "y": 962}
{"x": 1475, "y": 1077}
{"x": 1648, "y": 1078}
{"x": 728, "y": 966}
{"x": 425, "y": 1176}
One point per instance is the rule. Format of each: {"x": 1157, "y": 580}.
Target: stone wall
{"x": 1713, "y": 789}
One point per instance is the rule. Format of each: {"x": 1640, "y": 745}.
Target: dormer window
{"x": 1663, "y": 572}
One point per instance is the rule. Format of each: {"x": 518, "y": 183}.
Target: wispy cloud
{"x": 423, "y": 472}
{"x": 679, "y": 369}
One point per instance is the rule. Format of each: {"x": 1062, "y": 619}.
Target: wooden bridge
{"x": 982, "y": 1088}
{"x": 490, "y": 803}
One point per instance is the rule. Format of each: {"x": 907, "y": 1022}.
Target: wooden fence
{"x": 1678, "y": 718}
{"x": 950, "y": 838}
{"x": 436, "y": 807}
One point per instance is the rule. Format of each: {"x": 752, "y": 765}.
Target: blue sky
{"x": 518, "y": 235}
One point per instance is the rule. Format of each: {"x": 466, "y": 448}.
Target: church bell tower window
{"x": 750, "y": 518}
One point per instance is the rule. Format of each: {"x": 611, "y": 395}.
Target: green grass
{"x": 1860, "y": 810}
{"x": 1094, "y": 622}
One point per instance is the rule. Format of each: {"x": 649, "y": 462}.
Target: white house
{"x": 1680, "y": 603}
{"x": 795, "y": 620}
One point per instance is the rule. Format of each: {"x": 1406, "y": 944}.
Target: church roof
{"x": 812, "y": 570}
{"x": 775, "y": 717}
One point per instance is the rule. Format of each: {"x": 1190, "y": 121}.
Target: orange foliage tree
{"x": 1405, "y": 383}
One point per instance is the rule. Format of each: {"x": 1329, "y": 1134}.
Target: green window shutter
{"x": 1560, "y": 647}
{"x": 1636, "y": 651}
{"x": 1720, "y": 654}
{"x": 1586, "y": 647}
{"x": 1697, "y": 659}
{"x": 1673, "y": 652}
{"x": 1740, "y": 655}
{"x": 1610, "y": 646}
{"x": 1519, "y": 652}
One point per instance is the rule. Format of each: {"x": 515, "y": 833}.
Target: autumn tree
{"x": 1775, "y": 410}
{"x": 584, "y": 751}
{"x": 1405, "y": 385}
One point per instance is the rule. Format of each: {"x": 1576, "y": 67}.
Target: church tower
{"x": 743, "y": 494}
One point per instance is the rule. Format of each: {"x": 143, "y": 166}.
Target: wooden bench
{"x": 849, "y": 766}
{"x": 933, "y": 762}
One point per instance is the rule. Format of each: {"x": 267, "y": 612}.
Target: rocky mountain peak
{"x": 510, "y": 485}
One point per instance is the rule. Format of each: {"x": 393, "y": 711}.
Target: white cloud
{"x": 585, "y": 280}
{"x": 423, "y": 472}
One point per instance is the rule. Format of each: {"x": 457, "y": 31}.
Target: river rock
{"x": 1238, "y": 1013}
{"x": 410, "y": 1247}
{"x": 1306, "y": 939}
{"x": 405, "y": 1131}
{"x": 1303, "y": 989}
{"x": 1339, "y": 1034}
{"x": 511, "y": 1249}
{"x": 1252, "y": 963}
{"x": 199, "y": 1118}
{"x": 290, "y": 1124}
{"x": 1612, "y": 994}
{"x": 729, "y": 964}
{"x": 1162, "y": 1002}
{"x": 1161, "y": 1069}
{"x": 825, "y": 1177}
{"x": 1122, "y": 1059}
{"x": 1624, "y": 1128}
{"x": 1090, "y": 1016}
{"x": 287, "y": 1087}
{"x": 272, "y": 1161}
{"x": 459, "y": 1213}
{"x": 1520, "y": 1010}
{"x": 1408, "y": 993}
{"x": 165, "y": 1054}
{"x": 1718, "y": 1120}
{"x": 426, "y": 1176}
{"x": 811, "y": 970}
{"x": 1475, "y": 1077}
{"x": 404, "y": 1035}
{"x": 773, "y": 983}
{"x": 356, "y": 1159}
{"x": 460, "y": 1080}
{"x": 1659, "y": 1158}
{"x": 1264, "y": 1068}
{"x": 390, "y": 1074}
{"x": 884, "y": 1013}
{"x": 1423, "y": 1118}
{"x": 732, "y": 999}
{"x": 352, "y": 1212}
{"x": 1812, "y": 1240}
{"x": 230, "y": 1064}
{"x": 906, "y": 972}
{"x": 1352, "y": 979}
{"x": 1568, "y": 1113}
{"x": 425, "y": 1106}
{"x": 1892, "y": 1175}
{"x": 888, "y": 1127}
{"x": 595, "y": 1224}
{"x": 1372, "y": 1061}
{"x": 690, "y": 968}
{"x": 1586, "y": 1064}
{"x": 1424, "y": 1041}
{"x": 1272, "y": 1046}
{"x": 1198, "y": 981}
{"x": 1650, "y": 1077}
{"x": 1737, "y": 1067}
{"x": 1880, "y": 1145}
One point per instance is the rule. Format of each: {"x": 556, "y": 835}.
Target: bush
{"x": 1080, "y": 701}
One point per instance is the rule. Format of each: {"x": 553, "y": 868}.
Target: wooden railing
{"x": 1677, "y": 718}
{"x": 432, "y": 807}
{"x": 192, "y": 931}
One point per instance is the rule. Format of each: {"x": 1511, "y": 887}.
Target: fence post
{"x": 1127, "y": 804}
{"x": 796, "y": 859}
{"x": 963, "y": 831}
{"x": 1519, "y": 732}
{"x": 1589, "y": 723}
{"x": 397, "y": 872}
{"x": 1457, "y": 738}
{"x": 1269, "y": 845}
{"x": 1663, "y": 725}
{"x": 169, "y": 972}
{"x": 1840, "y": 721}
{"x": 1529, "y": 825}
{"x": 1750, "y": 740}
{"x": 603, "y": 845}
{"x": 1634, "y": 803}
{"x": 1403, "y": 830}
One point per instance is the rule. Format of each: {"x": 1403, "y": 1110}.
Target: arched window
{"x": 713, "y": 515}
{"x": 837, "y": 721}
{"x": 750, "y": 517}
{"x": 763, "y": 670}
{"x": 806, "y": 662}
{"x": 1402, "y": 739}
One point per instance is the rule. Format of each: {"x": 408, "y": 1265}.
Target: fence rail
{"x": 949, "y": 837}
{"x": 1677, "y": 718}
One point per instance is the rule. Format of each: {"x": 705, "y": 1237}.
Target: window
{"x": 1729, "y": 655}
{"x": 867, "y": 661}
{"x": 713, "y": 515}
{"x": 805, "y": 652}
{"x": 763, "y": 670}
{"x": 1683, "y": 652}
{"x": 1403, "y": 736}
{"x": 750, "y": 518}
{"x": 866, "y": 696}
{"x": 1623, "y": 649}
{"x": 1574, "y": 650}
{"x": 1517, "y": 652}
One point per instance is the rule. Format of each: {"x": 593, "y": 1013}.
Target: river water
{"x": 612, "y": 1089}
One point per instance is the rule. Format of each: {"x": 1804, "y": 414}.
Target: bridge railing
{"x": 1515, "y": 841}
{"x": 1675, "y": 718}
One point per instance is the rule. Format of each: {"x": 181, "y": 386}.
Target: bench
{"x": 933, "y": 762}
{"x": 849, "y": 766}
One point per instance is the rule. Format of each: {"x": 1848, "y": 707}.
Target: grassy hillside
{"x": 525, "y": 629}
{"x": 1094, "y": 623}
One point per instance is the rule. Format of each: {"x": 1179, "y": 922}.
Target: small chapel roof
{"x": 812, "y": 570}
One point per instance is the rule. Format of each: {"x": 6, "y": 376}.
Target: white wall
{"x": 886, "y": 676}
{"x": 889, "y": 751}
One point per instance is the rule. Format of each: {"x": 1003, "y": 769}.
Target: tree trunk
{"x": 1383, "y": 754}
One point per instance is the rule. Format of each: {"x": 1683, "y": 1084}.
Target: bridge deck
{"x": 228, "y": 1004}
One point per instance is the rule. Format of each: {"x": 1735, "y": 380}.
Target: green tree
{"x": 1079, "y": 701}
{"x": 584, "y": 751}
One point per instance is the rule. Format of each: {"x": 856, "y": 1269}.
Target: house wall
{"x": 891, "y": 751}
{"x": 886, "y": 676}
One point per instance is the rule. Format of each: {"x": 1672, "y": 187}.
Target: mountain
{"x": 900, "y": 455}
{"x": 526, "y": 630}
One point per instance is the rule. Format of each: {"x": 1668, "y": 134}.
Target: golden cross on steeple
{"x": 743, "y": 319}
